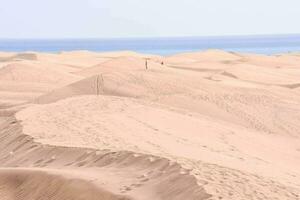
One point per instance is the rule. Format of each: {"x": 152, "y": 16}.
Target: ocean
{"x": 264, "y": 44}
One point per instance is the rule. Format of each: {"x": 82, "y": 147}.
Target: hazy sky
{"x": 146, "y": 18}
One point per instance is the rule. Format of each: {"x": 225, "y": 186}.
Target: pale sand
{"x": 204, "y": 125}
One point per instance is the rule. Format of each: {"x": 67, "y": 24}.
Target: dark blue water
{"x": 163, "y": 46}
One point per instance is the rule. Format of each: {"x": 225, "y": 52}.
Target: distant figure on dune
{"x": 146, "y": 63}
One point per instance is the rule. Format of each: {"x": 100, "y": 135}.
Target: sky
{"x": 146, "y": 18}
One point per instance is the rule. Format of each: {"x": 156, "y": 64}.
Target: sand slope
{"x": 203, "y": 125}
{"x": 110, "y": 174}
{"x": 30, "y": 184}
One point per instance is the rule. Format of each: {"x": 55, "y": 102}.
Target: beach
{"x": 124, "y": 125}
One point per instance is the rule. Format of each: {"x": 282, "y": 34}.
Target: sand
{"x": 204, "y": 125}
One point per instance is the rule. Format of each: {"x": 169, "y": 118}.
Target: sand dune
{"x": 206, "y": 56}
{"x": 30, "y": 184}
{"x": 25, "y": 81}
{"x": 5, "y": 57}
{"x": 32, "y": 73}
{"x": 120, "y": 173}
{"x": 204, "y": 125}
{"x": 123, "y": 64}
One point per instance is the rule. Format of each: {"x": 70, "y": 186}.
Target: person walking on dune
{"x": 146, "y": 64}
